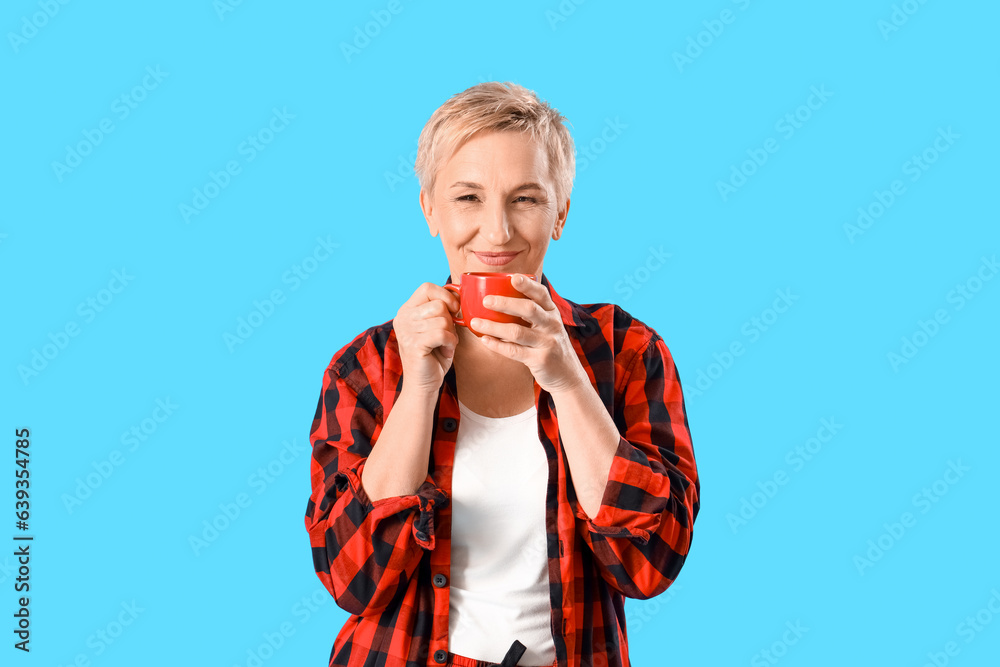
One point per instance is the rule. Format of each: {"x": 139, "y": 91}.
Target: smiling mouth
{"x": 496, "y": 258}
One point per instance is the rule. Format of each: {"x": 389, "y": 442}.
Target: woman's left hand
{"x": 544, "y": 346}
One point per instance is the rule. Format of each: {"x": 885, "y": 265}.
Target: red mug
{"x": 474, "y": 287}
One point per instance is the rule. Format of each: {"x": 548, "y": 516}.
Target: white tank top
{"x": 499, "y": 565}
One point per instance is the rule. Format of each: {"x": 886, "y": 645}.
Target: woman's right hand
{"x": 426, "y": 336}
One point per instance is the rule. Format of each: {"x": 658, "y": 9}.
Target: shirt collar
{"x": 570, "y": 312}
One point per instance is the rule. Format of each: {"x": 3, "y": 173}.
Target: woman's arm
{"x": 641, "y": 524}
{"x": 399, "y": 469}
{"x": 590, "y": 439}
{"x": 343, "y": 520}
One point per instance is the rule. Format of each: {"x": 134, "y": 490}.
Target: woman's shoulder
{"x": 613, "y": 322}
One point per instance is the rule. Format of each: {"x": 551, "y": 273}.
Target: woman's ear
{"x": 560, "y": 222}
{"x": 428, "y": 209}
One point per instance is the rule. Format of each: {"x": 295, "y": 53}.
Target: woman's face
{"x": 494, "y": 205}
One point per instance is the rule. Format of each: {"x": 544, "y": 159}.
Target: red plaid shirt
{"x": 388, "y": 562}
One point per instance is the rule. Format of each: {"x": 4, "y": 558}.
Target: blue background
{"x": 339, "y": 170}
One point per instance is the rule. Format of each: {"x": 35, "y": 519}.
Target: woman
{"x": 482, "y": 501}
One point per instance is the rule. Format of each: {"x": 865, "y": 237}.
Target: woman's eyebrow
{"x": 528, "y": 186}
{"x": 477, "y": 186}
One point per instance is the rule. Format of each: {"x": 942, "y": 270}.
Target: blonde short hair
{"x": 495, "y": 106}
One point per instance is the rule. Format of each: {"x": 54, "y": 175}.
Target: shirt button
{"x": 440, "y": 656}
{"x": 421, "y": 535}
{"x": 449, "y": 424}
{"x": 440, "y": 580}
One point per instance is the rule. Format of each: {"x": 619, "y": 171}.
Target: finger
{"x": 433, "y": 308}
{"x": 525, "y": 285}
{"x": 439, "y": 338}
{"x": 438, "y": 323}
{"x": 439, "y": 293}
{"x": 506, "y": 348}
{"x": 432, "y": 292}
{"x": 443, "y": 355}
{"x": 526, "y": 308}
{"x": 508, "y": 331}
{"x": 533, "y": 289}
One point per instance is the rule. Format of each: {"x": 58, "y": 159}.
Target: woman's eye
{"x": 519, "y": 200}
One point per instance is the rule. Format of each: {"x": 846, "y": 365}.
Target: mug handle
{"x": 452, "y": 287}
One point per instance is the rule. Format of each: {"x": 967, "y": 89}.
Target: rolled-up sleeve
{"x": 364, "y": 552}
{"x": 641, "y": 534}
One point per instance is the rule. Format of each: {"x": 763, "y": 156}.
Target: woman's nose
{"x": 496, "y": 227}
